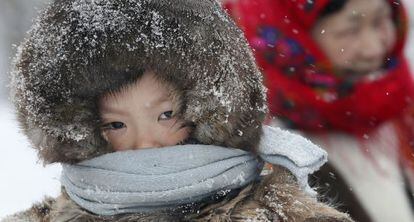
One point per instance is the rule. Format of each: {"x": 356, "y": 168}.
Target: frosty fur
{"x": 79, "y": 50}
{"x": 276, "y": 198}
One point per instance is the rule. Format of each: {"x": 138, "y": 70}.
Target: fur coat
{"x": 79, "y": 50}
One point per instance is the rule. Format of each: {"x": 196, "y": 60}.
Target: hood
{"x": 78, "y": 50}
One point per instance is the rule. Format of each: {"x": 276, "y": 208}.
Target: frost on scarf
{"x": 52, "y": 80}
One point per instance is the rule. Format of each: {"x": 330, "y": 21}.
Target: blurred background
{"x": 24, "y": 180}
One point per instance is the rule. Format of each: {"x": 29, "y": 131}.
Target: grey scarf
{"x": 147, "y": 180}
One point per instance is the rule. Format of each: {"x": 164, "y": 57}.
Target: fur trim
{"x": 79, "y": 50}
{"x": 279, "y": 194}
{"x": 39, "y": 212}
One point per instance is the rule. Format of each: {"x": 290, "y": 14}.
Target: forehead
{"x": 147, "y": 89}
{"x": 358, "y": 9}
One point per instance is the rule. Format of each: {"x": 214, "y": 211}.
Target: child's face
{"x": 141, "y": 116}
{"x": 357, "y": 38}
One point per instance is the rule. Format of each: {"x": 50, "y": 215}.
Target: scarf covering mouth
{"x": 147, "y": 180}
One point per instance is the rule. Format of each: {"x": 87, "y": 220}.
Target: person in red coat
{"x": 335, "y": 70}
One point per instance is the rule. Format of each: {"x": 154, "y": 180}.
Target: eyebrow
{"x": 383, "y": 9}
{"x": 161, "y": 99}
{"x": 355, "y": 16}
{"x": 113, "y": 110}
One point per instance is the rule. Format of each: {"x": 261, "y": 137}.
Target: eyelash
{"x": 167, "y": 117}
{"x": 119, "y": 125}
{"x": 113, "y": 126}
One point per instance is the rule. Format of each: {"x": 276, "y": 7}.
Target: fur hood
{"x": 78, "y": 50}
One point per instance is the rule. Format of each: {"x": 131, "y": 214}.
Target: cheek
{"x": 118, "y": 139}
{"x": 340, "y": 51}
{"x": 184, "y": 133}
{"x": 174, "y": 137}
{"x": 390, "y": 36}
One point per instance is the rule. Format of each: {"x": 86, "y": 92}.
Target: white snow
{"x": 23, "y": 180}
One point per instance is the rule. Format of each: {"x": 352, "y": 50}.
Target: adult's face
{"x": 358, "y": 37}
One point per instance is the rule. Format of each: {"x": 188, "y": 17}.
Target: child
{"x": 173, "y": 86}
{"x": 335, "y": 70}
{"x": 142, "y": 115}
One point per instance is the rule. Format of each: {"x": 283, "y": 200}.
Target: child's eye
{"x": 166, "y": 115}
{"x": 113, "y": 126}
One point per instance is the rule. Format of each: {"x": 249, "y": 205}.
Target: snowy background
{"x": 24, "y": 180}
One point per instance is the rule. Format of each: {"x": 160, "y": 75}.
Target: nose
{"x": 372, "y": 48}
{"x": 146, "y": 144}
{"x": 145, "y": 140}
